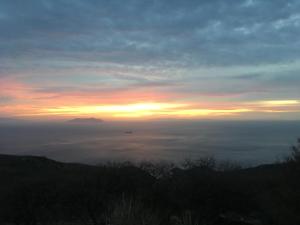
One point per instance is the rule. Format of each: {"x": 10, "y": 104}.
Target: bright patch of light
{"x": 280, "y": 102}
{"x": 143, "y": 110}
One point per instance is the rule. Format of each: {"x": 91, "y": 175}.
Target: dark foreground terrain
{"x": 36, "y": 190}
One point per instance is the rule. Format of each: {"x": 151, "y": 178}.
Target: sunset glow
{"x": 24, "y": 100}
{"x": 280, "y": 103}
{"x": 183, "y": 63}
{"x": 154, "y": 110}
{"x": 142, "y": 110}
{"x": 131, "y": 110}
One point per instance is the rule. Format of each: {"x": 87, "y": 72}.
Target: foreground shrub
{"x": 296, "y": 151}
{"x": 185, "y": 219}
{"x": 131, "y": 212}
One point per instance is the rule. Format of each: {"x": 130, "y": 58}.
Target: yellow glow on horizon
{"x": 279, "y": 102}
{"x": 142, "y": 110}
{"x": 130, "y": 110}
{"x": 163, "y": 110}
{"x": 208, "y": 112}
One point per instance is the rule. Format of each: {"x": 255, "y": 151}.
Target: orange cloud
{"x": 19, "y": 91}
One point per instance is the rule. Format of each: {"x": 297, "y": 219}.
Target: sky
{"x": 141, "y": 59}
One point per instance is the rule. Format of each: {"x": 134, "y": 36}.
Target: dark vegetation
{"x": 36, "y": 190}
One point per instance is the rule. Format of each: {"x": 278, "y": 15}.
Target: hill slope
{"x": 38, "y": 190}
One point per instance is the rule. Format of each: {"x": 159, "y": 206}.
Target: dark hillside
{"x": 37, "y": 190}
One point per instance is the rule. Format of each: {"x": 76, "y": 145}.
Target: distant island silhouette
{"x": 86, "y": 120}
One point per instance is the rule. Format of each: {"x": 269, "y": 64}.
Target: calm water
{"x": 248, "y": 142}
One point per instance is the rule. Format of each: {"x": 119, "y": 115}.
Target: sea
{"x": 246, "y": 142}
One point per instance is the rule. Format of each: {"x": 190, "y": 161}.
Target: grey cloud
{"x": 250, "y": 76}
{"x": 288, "y": 82}
{"x": 6, "y": 99}
{"x": 195, "y": 32}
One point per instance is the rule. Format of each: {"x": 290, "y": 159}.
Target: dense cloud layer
{"x": 198, "y": 32}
